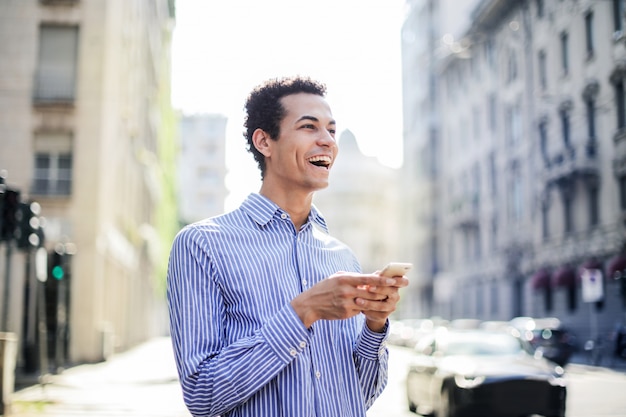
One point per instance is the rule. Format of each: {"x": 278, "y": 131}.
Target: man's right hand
{"x": 335, "y": 297}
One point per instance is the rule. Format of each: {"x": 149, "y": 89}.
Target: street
{"x": 592, "y": 391}
{"x": 142, "y": 383}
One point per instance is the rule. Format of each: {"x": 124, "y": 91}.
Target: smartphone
{"x": 396, "y": 269}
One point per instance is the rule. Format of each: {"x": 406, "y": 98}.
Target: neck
{"x": 296, "y": 203}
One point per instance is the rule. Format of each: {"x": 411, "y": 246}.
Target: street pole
{"x": 7, "y": 286}
{"x": 41, "y": 272}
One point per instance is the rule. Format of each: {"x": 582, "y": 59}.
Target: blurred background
{"x": 482, "y": 140}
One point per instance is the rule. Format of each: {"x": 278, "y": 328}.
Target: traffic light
{"x": 27, "y": 232}
{"x": 8, "y": 216}
{"x": 57, "y": 267}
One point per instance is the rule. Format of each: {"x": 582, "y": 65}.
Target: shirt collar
{"x": 261, "y": 209}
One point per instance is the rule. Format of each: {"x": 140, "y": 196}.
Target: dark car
{"x": 482, "y": 373}
{"x": 548, "y": 338}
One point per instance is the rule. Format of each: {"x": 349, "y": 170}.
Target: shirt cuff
{"x": 371, "y": 345}
{"x": 286, "y": 334}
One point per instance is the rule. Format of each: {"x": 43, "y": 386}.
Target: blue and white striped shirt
{"x": 240, "y": 348}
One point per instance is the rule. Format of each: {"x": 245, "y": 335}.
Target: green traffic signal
{"x": 57, "y": 272}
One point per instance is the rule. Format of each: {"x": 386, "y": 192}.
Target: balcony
{"x": 58, "y": 2}
{"x": 51, "y": 89}
{"x": 572, "y": 162}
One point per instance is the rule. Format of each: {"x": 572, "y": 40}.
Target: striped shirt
{"x": 240, "y": 348}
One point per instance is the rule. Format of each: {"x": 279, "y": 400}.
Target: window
{"x": 594, "y": 207}
{"x": 622, "y": 192}
{"x": 55, "y": 77}
{"x": 567, "y": 213}
{"x": 451, "y": 249}
{"x": 476, "y": 125}
{"x": 540, "y": 9}
{"x": 589, "y": 33}
{"x": 618, "y": 12}
{"x": 494, "y": 298}
{"x": 543, "y": 70}
{"x": 479, "y": 300}
{"x": 548, "y": 298}
{"x": 490, "y": 54}
{"x": 478, "y": 252}
{"x": 492, "y": 112}
{"x": 53, "y": 165}
{"x": 564, "y": 52}
{"x": 494, "y": 233}
{"x": 543, "y": 140}
{"x": 513, "y": 125}
{"x": 467, "y": 243}
{"x": 545, "y": 224}
{"x": 515, "y": 193}
{"x": 620, "y": 104}
{"x": 565, "y": 127}
{"x": 590, "y": 107}
{"x": 512, "y": 67}
{"x": 476, "y": 190}
{"x": 493, "y": 174}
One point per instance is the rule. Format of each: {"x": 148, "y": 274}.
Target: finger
{"x": 401, "y": 282}
{"x": 374, "y": 305}
{"x": 373, "y": 293}
{"x": 373, "y": 280}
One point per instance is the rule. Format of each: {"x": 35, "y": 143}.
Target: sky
{"x": 222, "y": 49}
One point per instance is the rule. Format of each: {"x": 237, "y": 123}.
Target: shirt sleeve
{"x": 371, "y": 359}
{"x": 214, "y": 377}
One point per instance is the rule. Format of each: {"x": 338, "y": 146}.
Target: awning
{"x": 540, "y": 280}
{"x": 617, "y": 265}
{"x": 565, "y": 276}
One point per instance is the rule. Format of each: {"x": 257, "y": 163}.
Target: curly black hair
{"x": 265, "y": 111}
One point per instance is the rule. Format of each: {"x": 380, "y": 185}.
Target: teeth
{"x": 325, "y": 159}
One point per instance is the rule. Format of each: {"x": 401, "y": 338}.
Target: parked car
{"x": 482, "y": 373}
{"x": 548, "y": 337}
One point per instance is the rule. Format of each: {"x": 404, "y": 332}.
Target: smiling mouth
{"x": 321, "y": 161}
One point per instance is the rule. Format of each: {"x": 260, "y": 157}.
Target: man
{"x": 269, "y": 313}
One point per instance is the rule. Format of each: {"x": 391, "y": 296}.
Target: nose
{"x": 327, "y": 138}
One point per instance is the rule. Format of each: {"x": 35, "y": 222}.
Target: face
{"x": 306, "y": 149}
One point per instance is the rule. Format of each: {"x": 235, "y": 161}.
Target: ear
{"x": 262, "y": 142}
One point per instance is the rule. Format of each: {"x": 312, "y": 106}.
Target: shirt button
{"x": 302, "y": 345}
{"x": 293, "y": 352}
{"x": 283, "y": 216}
{"x": 318, "y": 374}
{"x": 304, "y": 282}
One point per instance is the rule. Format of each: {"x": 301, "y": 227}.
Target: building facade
{"x": 202, "y": 166}
{"x": 529, "y": 214}
{"x": 84, "y": 99}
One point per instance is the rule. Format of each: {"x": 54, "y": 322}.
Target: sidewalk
{"x": 608, "y": 362}
{"x": 141, "y": 382}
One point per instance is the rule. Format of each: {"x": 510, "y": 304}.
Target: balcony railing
{"x": 53, "y": 89}
{"x": 58, "y": 2}
{"x": 580, "y": 160}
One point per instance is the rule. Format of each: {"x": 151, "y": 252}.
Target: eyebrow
{"x": 314, "y": 119}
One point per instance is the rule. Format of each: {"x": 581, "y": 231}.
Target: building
{"x": 528, "y": 162}
{"x": 202, "y": 167}
{"x": 427, "y": 23}
{"x": 85, "y": 125}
